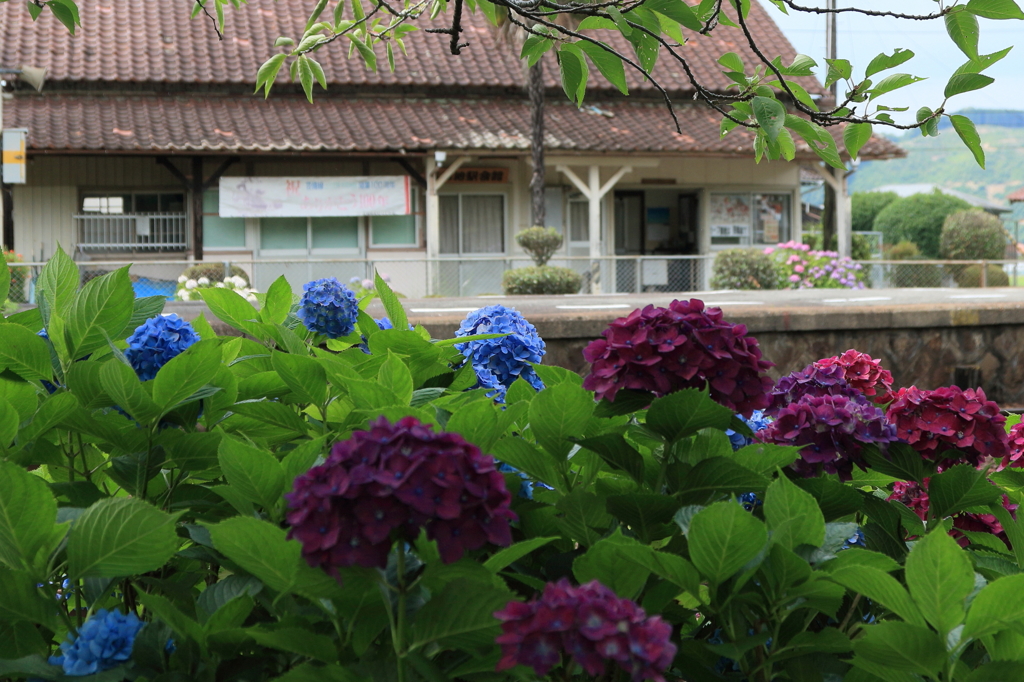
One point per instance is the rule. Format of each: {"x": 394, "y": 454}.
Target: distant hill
{"x": 1004, "y": 118}
{"x": 944, "y": 160}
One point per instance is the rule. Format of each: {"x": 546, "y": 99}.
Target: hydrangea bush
{"x": 323, "y": 497}
{"x": 802, "y": 268}
{"x": 189, "y": 288}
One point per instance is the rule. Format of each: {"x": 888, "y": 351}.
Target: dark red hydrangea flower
{"x": 662, "y": 350}
{"x": 1015, "y": 454}
{"x": 831, "y": 430}
{"x": 934, "y": 422}
{"x": 591, "y": 624}
{"x": 915, "y": 496}
{"x": 863, "y": 373}
{"x": 387, "y": 483}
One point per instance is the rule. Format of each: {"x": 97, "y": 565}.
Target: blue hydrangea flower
{"x": 757, "y": 421}
{"x": 750, "y": 501}
{"x": 105, "y": 641}
{"x": 855, "y": 540}
{"x": 328, "y": 307}
{"x": 156, "y": 341}
{"x": 527, "y": 486}
{"x": 499, "y": 362}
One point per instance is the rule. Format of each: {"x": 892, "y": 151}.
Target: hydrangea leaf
{"x": 997, "y": 606}
{"x": 958, "y": 488}
{"x": 903, "y": 647}
{"x": 123, "y": 385}
{"x": 879, "y": 586}
{"x": 254, "y": 472}
{"x": 58, "y": 282}
{"x": 24, "y": 353}
{"x": 793, "y": 515}
{"x": 686, "y": 412}
{"x": 477, "y": 422}
{"x": 713, "y": 478}
{"x": 940, "y": 576}
{"x": 185, "y": 374}
{"x": 460, "y": 615}
{"x": 395, "y": 375}
{"x": 723, "y": 538}
{"x": 557, "y": 413}
{"x": 121, "y": 536}
{"x": 27, "y": 514}
{"x": 304, "y": 375}
{"x": 100, "y": 310}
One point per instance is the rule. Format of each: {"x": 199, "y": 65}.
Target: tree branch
{"x": 213, "y": 19}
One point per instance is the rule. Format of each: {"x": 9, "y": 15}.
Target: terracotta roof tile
{"x": 142, "y": 123}
{"x": 1016, "y": 197}
{"x": 155, "y": 42}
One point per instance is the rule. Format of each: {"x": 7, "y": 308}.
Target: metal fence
{"x": 145, "y": 232}
{"x": 482, "y": 276}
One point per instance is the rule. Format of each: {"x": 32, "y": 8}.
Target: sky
{"x": 936, "y": 56}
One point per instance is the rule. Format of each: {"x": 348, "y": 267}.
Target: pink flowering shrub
{"x": 802, "y": 268}
{"x": 686, "y": 345}
{"x": 590, "y": 624}
{"x": 949, "y": 425}
{"x": 387, "y": 483}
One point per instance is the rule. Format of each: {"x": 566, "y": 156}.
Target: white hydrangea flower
{"x": 182, "y": 279}
{"x": 185, "y": 295}
{"x": 203, "y": 281}
{"x": 239, "y": 281}
{"x": 219, "y": 285}
{"x": 191, "y": 284}
{"x": 251, "y": 298}
{"x": 228, "y": 280}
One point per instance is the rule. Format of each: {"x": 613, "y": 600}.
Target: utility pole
{"x": 836, "y": 215}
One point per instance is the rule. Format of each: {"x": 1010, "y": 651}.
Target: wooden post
{"x": 197, "y": 207}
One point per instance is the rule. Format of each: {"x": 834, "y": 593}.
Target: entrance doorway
{"x": 652, "y": 223}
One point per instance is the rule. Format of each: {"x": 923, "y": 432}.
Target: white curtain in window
{"x": 483, "y": 223}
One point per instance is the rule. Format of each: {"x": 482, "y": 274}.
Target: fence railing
{"x": 450, "y": 277}
{"x": 137, "y": 232}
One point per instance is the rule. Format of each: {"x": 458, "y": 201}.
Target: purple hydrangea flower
{"x": 591, "y": 624}
{"x": 328, "y": 307}
{"x": 156, "y": 341}
{"x": 499, "y": 362}
{"x": 662, "y": 350}
{"x": 815, "y": 379}
{"x": 104, "y": 641}
{"x": 830, "y": 430}
{"x": 388, "y": 483}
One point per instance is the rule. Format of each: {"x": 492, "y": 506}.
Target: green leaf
{"x": 50, "y": 413}
{"x": 770, "y": 114}
{"x": 267, "y": 73}
{"x": 260, "y": 548}
{"x": 793, "y": 515}
{"x": 185, "y": 374}
{"x": 878, "y": 586}
{"x": 9, "y": 422}
{"x": 997, "y": 607}
{"x": 883, "y": 62}
{"x": 297, "y": 641}
{"x": 143, "y": 309}
{"x": 5, "y": 281}
{"x": 24, "y": 353}
{"x": 967, "y": 82}
{"x": 278, "y": 302}
{"x": 995, "y": 9}
{"x": 684, "y": 413}
{"x": 643, "y": 513}
{"x": 940, "y": 576}
{"x": 962, "y": 27}
{"x": 617, "y": 453}
{"x": 58, "y": 282}
{"x": 122, "y": 384}
{"x": 509, "y": 555}
{"x": 764, "y": 458}
{"x": 304, "y": 375}
{"x": 392, "y": 305}
{"x": 99, "y": 311}
{"x": 715, "y": 477}
{"x": 982, "y": 62}
{"x": 838, "y": 69}
{"x": 902, "y": 646}
{"x": 27, "y": 514}
{"x": 231, "y": 309}
{"x": 723, "y": 538}
{"x": 529, "y": 459}
{"x": 958, "y": 488}
{"x": 172, "y": 616}
{"x": 609, "y": 562}
{"x": 558, "y": 413}
{"x": 395, "y": 375}
{"x": 253, "y": 472}
{"x": 855, "y": 136}
{"x": 608, "y": 63}
{"x": 893, "y": 82}
{"x": 678, "y": 11}
{"x": 461, "y": 614}
{"x": 964, "y": 127}
{"x": 310, "y": 672}
{"x": 582, "y": 512}
{"x": 477, "y": 422}
{"x": 120, "y": 537}
{"x": 899, "y": 461}
{"x": 574, "y": 72}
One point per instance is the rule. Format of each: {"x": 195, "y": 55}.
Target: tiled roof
{"x": 153, "y": 41}
{"x": 148, "y": 123}
{"x": 1016, "y": 197}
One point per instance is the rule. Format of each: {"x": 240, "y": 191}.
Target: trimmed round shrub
{"x": 918, "y": 219}
{"x": 911, "y": 276}
{"x": 214, "y": 272}
{"x": 860, "y": 245}
{"x": 970, "y": 276}
{"x": 867, "y": 206}
{"x": 972, "y": 235}
{"x": 541, "y": 243}
{"x": 745, "y": 269}
{"x": 541, "y": 280}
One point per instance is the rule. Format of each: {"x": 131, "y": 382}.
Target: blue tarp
{"x": 144, "y": 287}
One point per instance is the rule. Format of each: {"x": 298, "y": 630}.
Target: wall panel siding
{"x": 42, "y": 219}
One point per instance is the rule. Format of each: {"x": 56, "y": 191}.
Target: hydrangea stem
{"x": 399, "y": 639}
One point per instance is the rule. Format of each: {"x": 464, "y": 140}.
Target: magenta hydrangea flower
{"x": 662, "y": 350}
{"x": 831, "y": 431}
{"x": 387, "y": 483}
{"x": 1015, "y": 454}
{"x": 591, "y": 624}
{"x": 863, "y": 373}
{"x": 949, "y": 418}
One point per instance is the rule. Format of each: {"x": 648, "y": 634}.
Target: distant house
{"x": 993, "y": 207}
{"x": 147, "y": 143}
